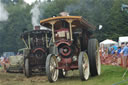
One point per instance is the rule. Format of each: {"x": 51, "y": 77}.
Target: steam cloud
{"x": 35, "y": 14}
{"x": 3, "y": 12}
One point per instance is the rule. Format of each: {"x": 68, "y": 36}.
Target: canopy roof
{"x": 108, "y": 41}
{"x": 35, "y": 32}
{"x": 77, "y": 22}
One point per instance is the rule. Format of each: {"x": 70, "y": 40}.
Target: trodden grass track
{"x": 110, "y": 75}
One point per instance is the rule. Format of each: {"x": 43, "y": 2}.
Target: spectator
{"x": 114, "y": 47}
{"x": 122, "y": 45}
{"x": 112, "y": 51}
{"x": 124, "y": 53}
{"x": 119, "y": 50}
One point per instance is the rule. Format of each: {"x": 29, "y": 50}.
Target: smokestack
{"x": 37, "y": 27}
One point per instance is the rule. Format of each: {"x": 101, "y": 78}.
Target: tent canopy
{"x": 123, "y": 39}
{"x": 108, "y": 41}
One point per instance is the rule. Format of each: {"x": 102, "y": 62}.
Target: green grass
{"x": 110, "y": 75}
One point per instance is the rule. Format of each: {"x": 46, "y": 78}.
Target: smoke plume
{"x": 3, "y": 12}
{"x": 35, "y": 14}
{"x": 36, "y": 11}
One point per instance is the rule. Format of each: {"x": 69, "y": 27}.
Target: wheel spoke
{"x": 85, "y": 66}
{"x": 51, "y": 66}
{"x": 53, "y": 70}
{"x": 55, "y": 74}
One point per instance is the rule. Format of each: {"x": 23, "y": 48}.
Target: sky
{"x": 31, "y": 1}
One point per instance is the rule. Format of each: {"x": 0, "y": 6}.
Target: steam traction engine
{"x": 71, "y": 47}
{"x": 36, "y": 51}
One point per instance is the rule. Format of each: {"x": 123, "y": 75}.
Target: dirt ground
{"x": 110, "y": 75}
{"x": 20, "y": 79}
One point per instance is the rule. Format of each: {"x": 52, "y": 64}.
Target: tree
{"x": 118, "y": 21}
{"x": 19, "y": 18}
{"x": 55, "y": 7}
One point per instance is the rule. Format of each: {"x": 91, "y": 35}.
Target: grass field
{"x": 110, "y": 75}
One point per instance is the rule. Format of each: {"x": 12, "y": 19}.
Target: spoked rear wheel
{"x": 51, "y": 68}
{"x": 83, "y": 64}
{"x": 94, "y": 57}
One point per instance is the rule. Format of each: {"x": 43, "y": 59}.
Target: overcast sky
{"x": 31, "y": 1}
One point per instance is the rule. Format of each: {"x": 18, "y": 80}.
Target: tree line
{"x": 98, "y": 12}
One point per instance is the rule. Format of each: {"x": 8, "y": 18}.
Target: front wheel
{"x": 83, "y": 65}
{"x": 27, "y": 68}
{"x": 51, "y": 68}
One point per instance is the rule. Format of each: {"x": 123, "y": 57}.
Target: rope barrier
{"x": 123, "y": 78}
{"x": 120, "y": 82}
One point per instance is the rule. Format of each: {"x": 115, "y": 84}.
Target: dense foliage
{"x": 105, "y": 12}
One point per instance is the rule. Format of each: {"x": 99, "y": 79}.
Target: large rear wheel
{"x": 51, "y": 68}
{"x": 83, "y": 65}
{"x": 94, "y": 57}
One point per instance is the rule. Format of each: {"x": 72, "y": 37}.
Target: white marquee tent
{"x": 123, "y": 39}
{"x": 108, "y": 42}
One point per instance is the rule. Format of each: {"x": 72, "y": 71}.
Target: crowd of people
{"x": 115, "y": 55}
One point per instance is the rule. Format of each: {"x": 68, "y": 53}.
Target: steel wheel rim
{"x": 53, "y": 70}
{"x": 98, "y": 63}
{"x": 26, "y": 67}
{"x": 86, "y": 66}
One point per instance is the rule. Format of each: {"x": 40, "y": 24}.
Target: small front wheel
{"x": 27, "y": 68}
{"x": 51, "y": 68}
{"x": 83, "y": 65}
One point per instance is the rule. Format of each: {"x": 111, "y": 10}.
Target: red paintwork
{"x": 67, "y": 68}
{"x": 67, "y": 64}
{"x": 66, "y": 60}
{"x": 38, "y": 49}
{"x": 63, "y": 41}
{"x": 62, "y": 29}
{"x": 66, "y": 54}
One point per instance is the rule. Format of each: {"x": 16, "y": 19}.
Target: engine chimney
{"x": 37, "y": 27}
